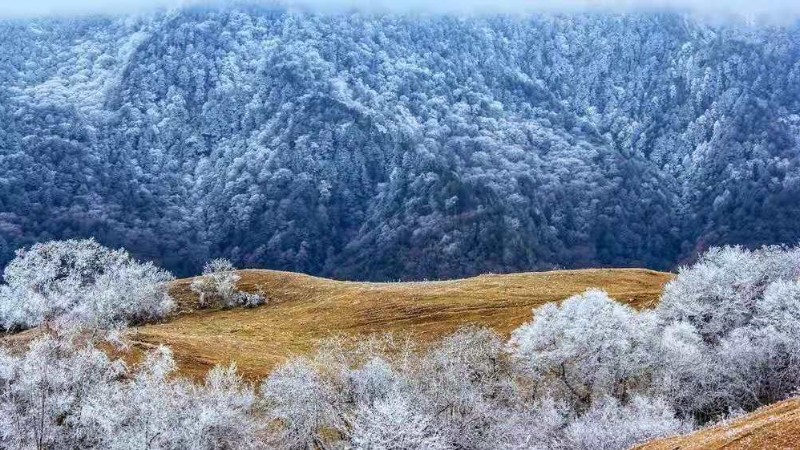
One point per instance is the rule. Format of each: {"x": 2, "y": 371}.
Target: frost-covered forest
{"x": 587, "y": 373}
{"x": 369, "y": 146}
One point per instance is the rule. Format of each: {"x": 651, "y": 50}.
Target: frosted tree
{"x": 218, "y": 280}
{"x": 65, "y": 393}
{"x": 225, "y": 413}
{"x": 375, "y": 381}
{"x": 81, "y": 282}
{"x": 463, "y": 382}
{"x": 217, "y": 286}
{"x": 45, "y": 391}
{"x": 167, "y": 413}
{"x": 304, "y": 404}
{"x": 587, "y": 347}
{"x": 687, "y": 368}
{"x": 726, "y": 288}
{"x": 609, "y": 425}
{"x": 395, "y": 424}
{"x": 730, "y": 331}
{"x": 535, "y": 425}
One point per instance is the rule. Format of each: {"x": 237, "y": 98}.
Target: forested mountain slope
{"x": 382, "y": 147}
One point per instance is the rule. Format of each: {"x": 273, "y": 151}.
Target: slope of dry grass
{"x": 775, "y": 427}
{"x": 302, "y": 310}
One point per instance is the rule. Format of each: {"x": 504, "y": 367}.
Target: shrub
{"x": 304, "y": 405}
{"x": 217, "y": 287}
{"x": 726, "y": 288}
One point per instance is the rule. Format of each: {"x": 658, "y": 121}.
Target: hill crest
{"x": 302, "y": 310}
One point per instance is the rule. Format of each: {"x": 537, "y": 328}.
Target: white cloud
{"x": 763, "y": 9}
{"x": 39, "y": 8}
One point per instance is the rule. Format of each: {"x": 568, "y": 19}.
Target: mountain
{"x": 385, "y": 147}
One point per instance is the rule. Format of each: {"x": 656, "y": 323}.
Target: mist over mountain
{"x": 369, "y": 146}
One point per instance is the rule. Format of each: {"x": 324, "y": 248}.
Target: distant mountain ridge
{"x": 399, "y": 147}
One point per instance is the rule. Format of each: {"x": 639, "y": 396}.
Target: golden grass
{"x": 775, "y": 427}
{"x": 304, "y": 310}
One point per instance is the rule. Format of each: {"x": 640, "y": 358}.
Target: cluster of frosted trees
{"x": 385, "y": 147}
{"x": 81, "y": 282}
{"x": 588, "y": 373}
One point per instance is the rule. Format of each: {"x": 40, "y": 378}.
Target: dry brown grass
{"x": 775, "y": 427}
{"x": 303, "y": 310}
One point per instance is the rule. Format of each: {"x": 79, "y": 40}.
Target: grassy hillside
{"x": 775, "y": 427}
{"x": 302, "y": 310}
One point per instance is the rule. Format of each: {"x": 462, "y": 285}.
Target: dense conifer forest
{"x": 399, "y": 146}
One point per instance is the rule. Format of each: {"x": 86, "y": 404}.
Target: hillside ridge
{"x": 302, "y": 310}
{"x": 773, "y": 427}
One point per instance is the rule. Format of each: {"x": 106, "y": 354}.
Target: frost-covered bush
{"x": 375, "y": 381}
{"x": 371, "y": 397}
{"x": 217, "y": 287}
{"x": 587, "y": 347}
{"x": 464, "y": 382}
{"x": 81, "y": 282}
{"x": 395, "y": 423}
{"x": 217, "y": 284}
{"x": 531, "y": 425}
{"x": 463, "y": 392}
{"x": 727, "y": 288}
{"x": 609, "y": 425}
{"x": 65, "y": 394}
{"x": 730, "y": 338}
{"x": 175, "y": 413}
{"x": 45, "y": 391}
{"x": 305, "y": 405}
{"x": 249, "y": 299}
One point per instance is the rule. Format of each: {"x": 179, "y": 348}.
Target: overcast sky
{"x": 768, "y": 9}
